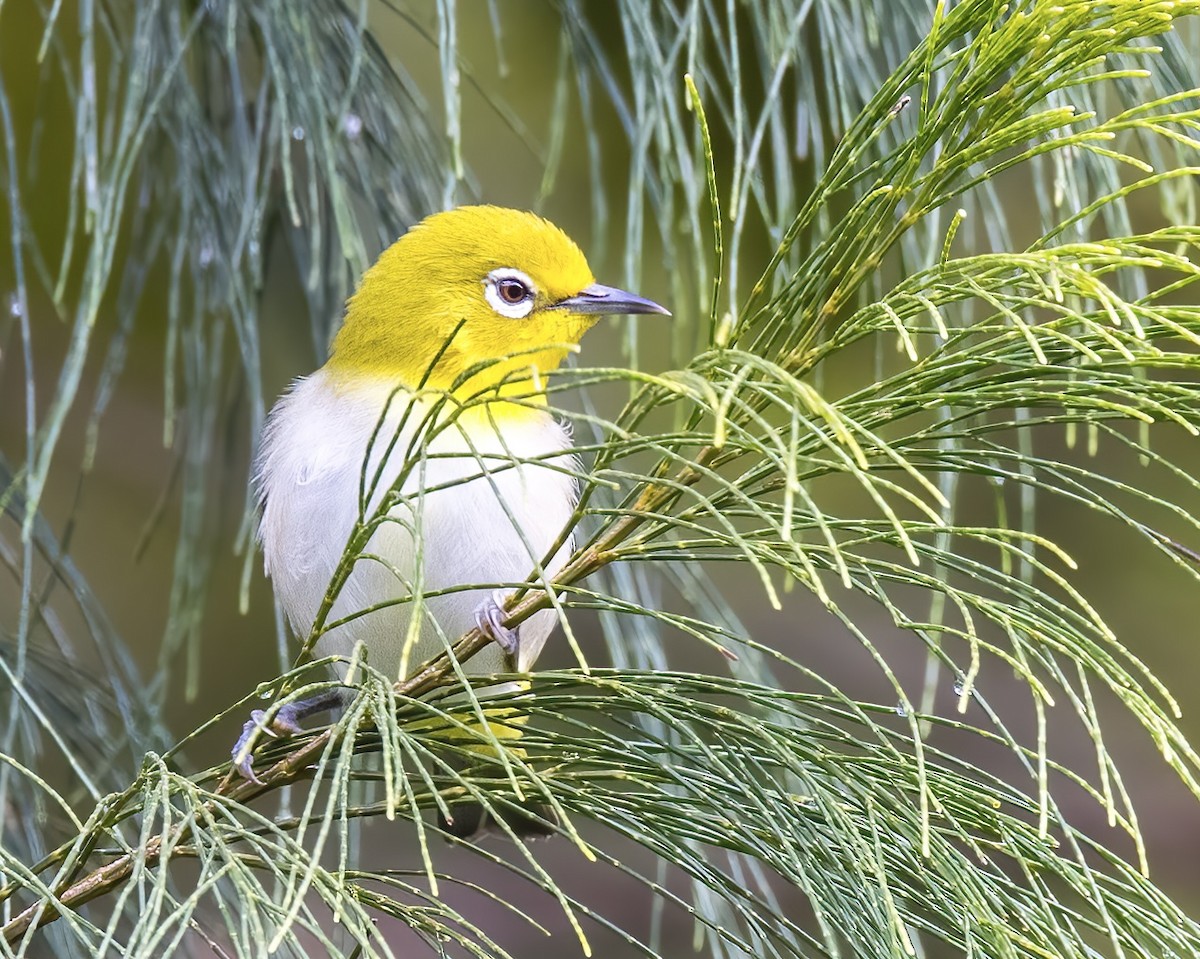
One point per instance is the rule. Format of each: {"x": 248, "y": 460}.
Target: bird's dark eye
{"x": 512, "y": 291}
{"x": 508, "y": 291}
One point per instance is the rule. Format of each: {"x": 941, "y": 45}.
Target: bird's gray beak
{"x": 598, "y": 299}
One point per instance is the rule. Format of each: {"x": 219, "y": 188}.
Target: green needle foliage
{"x": 879, "y": 387}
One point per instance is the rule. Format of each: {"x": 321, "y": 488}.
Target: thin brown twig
{"x": 291, "y": 767}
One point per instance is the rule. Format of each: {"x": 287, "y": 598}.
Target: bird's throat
{"x": 456, "y": 366}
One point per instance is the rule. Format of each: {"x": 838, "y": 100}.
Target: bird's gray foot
{"x": 489, "y": 617}
{"x": 285, "y": 722}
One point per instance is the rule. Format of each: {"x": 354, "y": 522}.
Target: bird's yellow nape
{"x": 474, "y": 284}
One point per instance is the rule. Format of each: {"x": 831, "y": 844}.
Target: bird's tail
{"x": 532, "y": 820}
{"x": 468, "y": 818}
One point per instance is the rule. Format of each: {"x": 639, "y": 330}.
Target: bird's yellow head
{"x": 477, "y": 283}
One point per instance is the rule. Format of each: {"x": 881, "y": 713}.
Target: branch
{"x": 291, "y": 767}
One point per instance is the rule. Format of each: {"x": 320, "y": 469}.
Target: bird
{"x": 478, "y": 305}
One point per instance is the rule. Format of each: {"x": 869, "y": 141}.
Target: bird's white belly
{"x": 492, "y": 526}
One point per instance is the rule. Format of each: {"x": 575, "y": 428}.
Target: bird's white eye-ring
{"x": 509, "y": 292}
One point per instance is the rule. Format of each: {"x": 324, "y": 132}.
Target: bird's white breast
{"x": 491, "y": 524}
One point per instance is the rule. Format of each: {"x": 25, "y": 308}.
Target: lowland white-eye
{"x": 480, "y": 302}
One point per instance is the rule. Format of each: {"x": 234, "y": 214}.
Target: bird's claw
{"x": 280, "y": 725}
{"x": 489, "y": 617}
{"x": 243, "y": 752}
{"x": 283, "y": 723}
